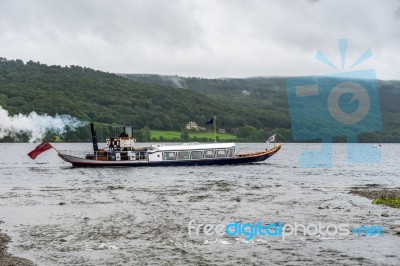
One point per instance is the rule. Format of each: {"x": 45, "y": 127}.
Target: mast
{"x": 215, "y": 128}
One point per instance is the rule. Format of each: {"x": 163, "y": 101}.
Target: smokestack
{"x": 94, "y": 138}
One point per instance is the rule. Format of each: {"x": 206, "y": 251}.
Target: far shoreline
{"x": 219, "y": 141}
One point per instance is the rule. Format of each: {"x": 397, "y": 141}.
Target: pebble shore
{"x": 7, "y": 259}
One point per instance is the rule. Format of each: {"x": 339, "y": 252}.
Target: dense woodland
{"x": 252, "y": 108}
{"x": 267, "y": 98}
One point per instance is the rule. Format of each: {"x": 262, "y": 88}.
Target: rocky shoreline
{"x": 7, "y": 259}
{"x": 385, "y": 196}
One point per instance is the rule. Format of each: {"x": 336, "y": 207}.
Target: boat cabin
{"x": 123, "y": 148}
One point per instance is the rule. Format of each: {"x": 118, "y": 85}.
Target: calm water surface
{"x": 59, "y": 215}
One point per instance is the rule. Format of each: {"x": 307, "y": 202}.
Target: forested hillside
{"x": 251, "y": 108}
{"x": 108, "y": 98}
{"x": 267, "y": 97}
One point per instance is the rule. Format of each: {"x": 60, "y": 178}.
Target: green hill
{"x": 251, "y": 108}
{"x": 268, "y": 100}
{"x": 108, "y": 98}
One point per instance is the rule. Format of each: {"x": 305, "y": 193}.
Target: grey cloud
{"x": 199, "y": 38}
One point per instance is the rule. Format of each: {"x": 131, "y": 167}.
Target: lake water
{"x": 59, "y": 215}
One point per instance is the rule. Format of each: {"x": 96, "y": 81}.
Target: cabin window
{"x": 209, "y": 154}
{"x": 169, "y": 156}
{"x": 197, "y": 155}
{"x": 230, "y": 153}
{"x": 183, "y": 155}
{"x": 220, "y": 153}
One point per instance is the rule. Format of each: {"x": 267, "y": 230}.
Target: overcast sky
{"x": 205, "y": 38}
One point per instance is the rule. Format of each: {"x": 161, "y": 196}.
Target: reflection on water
{"x": 57, "y": 214}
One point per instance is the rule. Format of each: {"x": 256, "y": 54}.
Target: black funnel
{"x": 94, "y": 138}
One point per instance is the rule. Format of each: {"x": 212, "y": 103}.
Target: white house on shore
{"x": 194, "y": 127}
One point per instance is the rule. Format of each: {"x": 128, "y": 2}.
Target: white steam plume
{"x": 35, "y": 125}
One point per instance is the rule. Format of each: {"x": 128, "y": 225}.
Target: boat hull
{"x": 238, "y": 159}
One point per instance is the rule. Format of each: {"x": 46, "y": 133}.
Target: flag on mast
{"x": 210, "y": 122}
{"x": 39, "y": 149}
{"x": 271, "y": 139}
{"x": 213, "y": 121}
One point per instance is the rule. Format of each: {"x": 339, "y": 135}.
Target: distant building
{"x": 192, "y": 126}
{"x": 222, "y": 131}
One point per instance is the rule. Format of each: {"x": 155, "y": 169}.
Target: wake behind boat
{"x": 121, "y": 151}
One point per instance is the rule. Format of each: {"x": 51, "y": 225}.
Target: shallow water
{"x": 59, "y": 215}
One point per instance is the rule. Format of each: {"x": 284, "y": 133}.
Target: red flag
{"x": 39, "y": 149}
